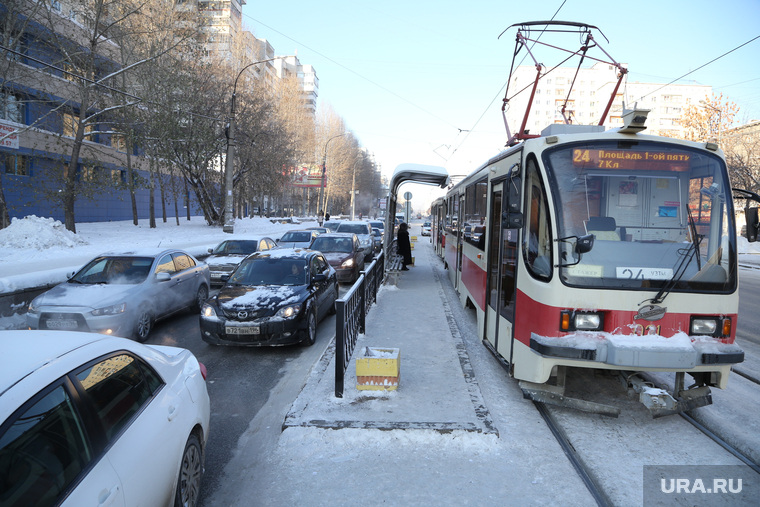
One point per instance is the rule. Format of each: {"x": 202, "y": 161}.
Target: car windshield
{"x": 332, "y": 244}
{"x": 332, "y": 226}
{"x": 236, "y": 247}
{"x": 659, "y": 214}
{"x": 296, "y": 237}
{"x": 114, "y": 270}
{"x": 355, "y": 228}
{"x": 270, "y": 271}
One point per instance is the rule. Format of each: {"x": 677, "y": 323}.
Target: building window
{"x": 14, "y": 164}
{"x": 119, "y": 142}
{"x": 11, "y": 107}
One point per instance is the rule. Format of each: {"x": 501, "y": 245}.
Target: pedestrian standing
{"x": 404, "y": 247}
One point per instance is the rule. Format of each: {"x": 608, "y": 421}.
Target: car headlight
{"x": 347, "y": 263}
{"x": 208, "y": 311}
{"x": 32, "y": 308}
{"x": 288, "y": 312}
{"x": 110, "y": 310}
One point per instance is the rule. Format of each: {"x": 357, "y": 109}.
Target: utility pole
{"x": 321, "y": 205}
{"x": 229, "y": 166}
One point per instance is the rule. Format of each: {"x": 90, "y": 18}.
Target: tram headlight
{"x": 720, "y": 327}
{"x": 571, "y": 320}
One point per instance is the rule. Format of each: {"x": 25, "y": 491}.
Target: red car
{"x": 343, "y": 252}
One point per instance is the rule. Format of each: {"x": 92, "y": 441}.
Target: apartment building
{"x": 41, "y": 98}
{"x": 226, "y": 38}
{"x": 591, "y": 90}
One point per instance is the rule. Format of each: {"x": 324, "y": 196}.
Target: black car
{"x": 275, "y": 297}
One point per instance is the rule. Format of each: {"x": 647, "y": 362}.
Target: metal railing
{"x": 351, "y": 311}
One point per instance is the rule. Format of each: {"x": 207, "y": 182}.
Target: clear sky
{"x": 422, "y": 81}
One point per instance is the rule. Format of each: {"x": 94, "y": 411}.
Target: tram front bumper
{"x": 679, "y": 352}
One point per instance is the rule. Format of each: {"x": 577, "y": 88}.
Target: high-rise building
{"x": 226, "y": 39}
{"x": 587, "y": 95}
{"x": 307, "y": 79}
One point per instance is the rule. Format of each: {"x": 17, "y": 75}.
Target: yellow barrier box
{"x": 378, "y": 369}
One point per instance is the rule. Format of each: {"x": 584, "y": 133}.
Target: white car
{"x": 87, "y": 419}
{"x": 228, "y": 255}
{"x": 426, "y": 228}
{"x": 123, "y": 293}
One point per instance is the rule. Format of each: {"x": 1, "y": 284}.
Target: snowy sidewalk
{"x": 437, "y": 389}
{"x": 434, "y": 441}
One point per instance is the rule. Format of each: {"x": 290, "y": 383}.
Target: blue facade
{"x": 32, "y": 171}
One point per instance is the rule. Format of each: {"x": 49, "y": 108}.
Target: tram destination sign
{"x": 663, "y": 160}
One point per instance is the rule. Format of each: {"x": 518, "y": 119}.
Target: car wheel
{"x": 143, "y": 325}
{"x": 310, "y": 333}
{"x": 333, "y": 308}
{"x": 190, "y": 471}
{"x": 200, "y": 298}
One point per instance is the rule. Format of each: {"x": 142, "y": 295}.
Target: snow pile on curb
{"x": 38, "y": 233}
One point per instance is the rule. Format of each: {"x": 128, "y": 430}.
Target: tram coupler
{"x": 554, "y": 395}
{"x": 662, "y": 403}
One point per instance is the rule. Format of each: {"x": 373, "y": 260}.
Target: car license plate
{"x": 62, "y": 324}
{"x": 242, "y": 330}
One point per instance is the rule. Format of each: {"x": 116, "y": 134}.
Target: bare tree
{"x": 14, "y": 21}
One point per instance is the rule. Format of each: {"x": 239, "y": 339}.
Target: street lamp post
{"x": 229, "y": 166}
{"x": 321, "y": 210}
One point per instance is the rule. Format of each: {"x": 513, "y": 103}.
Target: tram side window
{"x": 452, "y": 216}
{"x": 537, "y": 238}
{"x": 475, "y": 213}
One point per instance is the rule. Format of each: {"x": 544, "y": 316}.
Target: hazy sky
{"x": 422, "y": 81}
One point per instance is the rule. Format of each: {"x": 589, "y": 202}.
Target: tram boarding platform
{"x": 432, "y": 441}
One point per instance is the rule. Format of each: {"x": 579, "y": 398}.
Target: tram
{"x": 607, "y": 249}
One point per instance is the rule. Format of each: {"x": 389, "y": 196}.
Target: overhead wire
{"x": 701, "y": 67}
{"x": 501, "y": 90}
{"x": 344, "y": 67}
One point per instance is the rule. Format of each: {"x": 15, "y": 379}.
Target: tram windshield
{"x": 661, "y": 215}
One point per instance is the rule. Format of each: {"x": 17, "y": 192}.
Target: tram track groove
{"x": 572, "y": 455}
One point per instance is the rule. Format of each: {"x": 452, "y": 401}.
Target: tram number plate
{"x": 242, "y": 330}
{"x": 632, "y": 273}
{"x": 61, "y": 324}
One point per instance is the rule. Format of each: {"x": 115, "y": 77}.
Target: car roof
{"x": 141, "y": 252}
{"x": 308, "y": 231}
{"x": 24, "y": 353}
{"x": 337, "y": 235}
{"x": 257, "y": 237}
{"x": 284, "y": 253}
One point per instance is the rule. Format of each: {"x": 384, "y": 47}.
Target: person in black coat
{"x": 404, "y": 247}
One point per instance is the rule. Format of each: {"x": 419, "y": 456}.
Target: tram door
{"x": 502, "y": 268}
{"x": 460, "y": 240}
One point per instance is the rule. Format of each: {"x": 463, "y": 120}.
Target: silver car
{"x": 123, "y": 294}
{"x": 363, "y": 231}
{"x": 297, "y": 239}
{"x": 228, "y": 254}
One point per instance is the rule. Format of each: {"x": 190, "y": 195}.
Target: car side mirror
{"x": 752, "y": 224}
{"x": 163, "y": 276}
{"x": 584, "y": 244}
{"x": 320, "y": 277}
{"x": 210, "y": 250}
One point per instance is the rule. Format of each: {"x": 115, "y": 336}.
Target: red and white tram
{"x": 586, "y": 248}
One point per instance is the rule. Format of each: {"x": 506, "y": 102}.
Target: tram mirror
{"x": 752, "y": 224}
{"x": 512, "y": 220}
{"x": 584, "y": 244}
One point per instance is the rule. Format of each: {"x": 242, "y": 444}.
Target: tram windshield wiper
{"x": 691, "y": 252}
